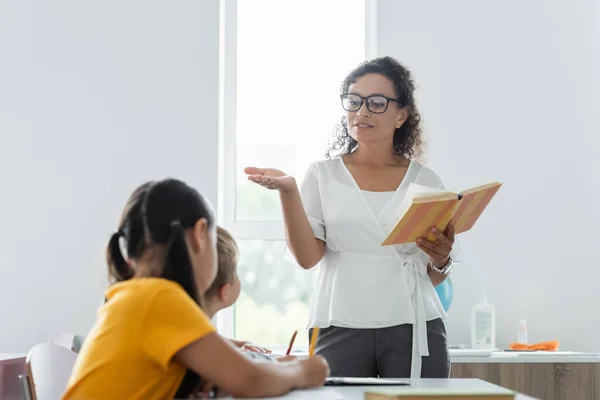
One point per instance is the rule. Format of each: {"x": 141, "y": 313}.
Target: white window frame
{"x": 227, "y": 178}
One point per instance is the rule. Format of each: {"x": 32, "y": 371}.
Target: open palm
{"x": 270, "y": 178}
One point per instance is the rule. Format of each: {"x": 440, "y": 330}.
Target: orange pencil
{"x": 287, "y": 353}
{"x": 313, "y": 342}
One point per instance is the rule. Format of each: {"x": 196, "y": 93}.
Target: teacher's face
{"x": 372, "y": 125}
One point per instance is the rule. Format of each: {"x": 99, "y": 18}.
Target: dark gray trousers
{"x": 383, "y": 352}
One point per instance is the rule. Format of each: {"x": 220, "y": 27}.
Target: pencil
{"x": 287, "y": 353}
{"x": 313, "y": 342}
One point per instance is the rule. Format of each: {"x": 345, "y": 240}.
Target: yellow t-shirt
{"x": 129, "y": 351}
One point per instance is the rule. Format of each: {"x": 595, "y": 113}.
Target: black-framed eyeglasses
{"x": 376, "y": 103}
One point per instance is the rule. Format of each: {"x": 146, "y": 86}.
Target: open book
{"x": 438, "y": 209}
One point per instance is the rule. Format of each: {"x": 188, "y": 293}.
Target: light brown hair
{"x": 227, "y": 254}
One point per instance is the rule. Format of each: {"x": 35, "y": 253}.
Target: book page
{"x": 413, "y": 191}
{"x": 423, "y": 198}
{"x": 413, "y": 220}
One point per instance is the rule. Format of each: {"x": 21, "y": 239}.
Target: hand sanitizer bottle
{"x": 483, "y": 326}
{"x": 522, "y": 332}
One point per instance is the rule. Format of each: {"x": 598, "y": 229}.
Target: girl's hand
{"x": 257, "y": 349}
{"x": 315, "y": 369}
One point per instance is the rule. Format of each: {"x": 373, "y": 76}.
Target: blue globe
{"x": 444, "y": 292}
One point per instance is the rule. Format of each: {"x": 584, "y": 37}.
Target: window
{"x": 282, "y": 63}
{"x": 275, "y": 296}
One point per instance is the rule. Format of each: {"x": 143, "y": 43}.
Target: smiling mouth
{"x": 363, "y": 126}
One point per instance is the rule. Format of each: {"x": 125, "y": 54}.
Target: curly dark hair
{"x": 407, "y": 138}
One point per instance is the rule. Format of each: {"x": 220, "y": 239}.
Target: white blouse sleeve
{"x": 311, "y": 200}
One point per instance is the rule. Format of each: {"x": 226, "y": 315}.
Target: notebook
{"x": 444, "y": 389}
{"x": 438, "y": 209}
{"x": 351, "y": 381}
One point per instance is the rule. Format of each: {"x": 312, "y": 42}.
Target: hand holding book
{"x": 438, "y": 250}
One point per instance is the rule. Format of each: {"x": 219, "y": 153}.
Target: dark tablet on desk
{"x": 349, "y": 381}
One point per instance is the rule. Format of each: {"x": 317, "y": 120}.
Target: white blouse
{"x": 377, "y": 200}
{"x": 361, "y": 284}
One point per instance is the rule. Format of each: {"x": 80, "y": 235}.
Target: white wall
{"x": 509, "y": 91}
{"x": 95, "y": 98}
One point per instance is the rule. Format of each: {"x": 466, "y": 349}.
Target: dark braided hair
{"x": 407, "y": 138}
{"x": 157, "y": 213}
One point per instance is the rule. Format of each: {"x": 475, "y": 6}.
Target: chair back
{"x": 49, "y": 367}
{"x": 64, "y": 339}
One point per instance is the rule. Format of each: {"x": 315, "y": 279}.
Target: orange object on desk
{"x": 545, "y": 346}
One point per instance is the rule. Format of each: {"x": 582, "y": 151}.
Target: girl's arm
{"x": 218, "y": 362}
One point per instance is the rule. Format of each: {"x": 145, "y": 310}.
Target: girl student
{"x": 152, "y": 327}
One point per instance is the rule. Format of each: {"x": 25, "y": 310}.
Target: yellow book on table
{"x": 438, "y": 209}
{"x": 446, "y": 389}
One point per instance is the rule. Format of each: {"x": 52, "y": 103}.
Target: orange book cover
{"x": 438, "y": 209}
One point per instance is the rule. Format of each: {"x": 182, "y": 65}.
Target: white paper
{"x": 314, "y": 394}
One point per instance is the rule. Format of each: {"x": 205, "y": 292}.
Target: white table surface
{"x": 358, "y": 392}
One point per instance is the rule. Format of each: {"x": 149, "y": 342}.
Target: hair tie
{"x": 175, "y": 224}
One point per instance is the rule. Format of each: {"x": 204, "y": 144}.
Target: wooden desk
{"x": 546, "y": 377}
{"x": 11, "y": 366}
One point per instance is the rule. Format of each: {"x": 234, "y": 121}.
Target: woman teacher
{"x": 376, "y": 306}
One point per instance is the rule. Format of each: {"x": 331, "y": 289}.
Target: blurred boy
{"x": 223, "y": 293}
{"x": 226, "y": 288}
